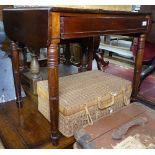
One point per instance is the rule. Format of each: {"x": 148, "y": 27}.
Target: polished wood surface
{"x": 151, "y": 9}
{"x": 47, "y": 27}
{"x": 26, "y": 127}
{"x": 72, "y": 27}
{"x": 34, "y": 35}
{"x": 15, "y": 59}
{"x": 53, "y": 90}
{"x": 34, "y": 25}
{"x": 138, "y": 65}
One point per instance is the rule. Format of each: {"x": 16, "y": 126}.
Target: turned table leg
{"x": 67, "y": 54}
{"x": 34, "y": 67}
{"x": 138, "y": 66}
{"x": 53, "y": 87}
{"x": 99, "y": 55}
{"x": 84, "y": 55}
{"x": 90, "y": 52}
{"x": 16, "y": 73}
{"x": 35, "y": 72}
{"x": 22, "y": 57}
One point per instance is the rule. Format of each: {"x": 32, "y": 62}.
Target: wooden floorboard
{"x": 26, "y": 127}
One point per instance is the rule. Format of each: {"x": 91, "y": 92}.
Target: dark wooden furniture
{"x": 150, "y": 43}
{"x": 148, "y": 58}
{"x": 47, "y": 27}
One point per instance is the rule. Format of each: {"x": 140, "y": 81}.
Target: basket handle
{"x": 90, "y": 121}
{"x": 99, "y": 102}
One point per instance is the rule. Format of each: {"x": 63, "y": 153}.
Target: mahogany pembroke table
{"x": 47, "y": 27}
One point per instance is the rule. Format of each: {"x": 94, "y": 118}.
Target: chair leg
{"x": 147, "y": 71}
{"x": 101, "y": 63}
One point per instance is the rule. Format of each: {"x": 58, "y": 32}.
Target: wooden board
{"x": 101, "y": 131}
{"x": 26, "y": 128}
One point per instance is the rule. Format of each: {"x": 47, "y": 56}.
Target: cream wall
{"x": 104, "y": 7}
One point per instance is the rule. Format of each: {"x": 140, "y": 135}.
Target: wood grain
{"x": 26, "y": 127}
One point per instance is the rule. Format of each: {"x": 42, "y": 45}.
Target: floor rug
{"x": 148, "y": 86}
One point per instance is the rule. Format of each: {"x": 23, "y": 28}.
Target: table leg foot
{"x": 55, "y": 139}
{"x": 19, "y": 103}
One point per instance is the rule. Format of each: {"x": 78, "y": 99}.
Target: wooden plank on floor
{"x": 26, "y": 128}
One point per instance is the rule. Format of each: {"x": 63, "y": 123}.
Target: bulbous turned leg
{"x": 22, "y": 57}
{"x": 101, "y": 63}
{"x": 16, "y": 73}
{"x": 93, "y": 45}
{"x": 34, "y": 67}
{"x": 21, "y": 60}
{"x": 84, "y": 43}
{"x": 84, "y": 59}
{"x": 99, "y": 55}
{"x": 35, "y": 73}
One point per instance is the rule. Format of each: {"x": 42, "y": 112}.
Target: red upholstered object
{"x": 149, "y": 50}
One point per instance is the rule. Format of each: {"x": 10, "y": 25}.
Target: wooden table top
{"x": 75, "y": 10}
{"x": 33, "y": 27}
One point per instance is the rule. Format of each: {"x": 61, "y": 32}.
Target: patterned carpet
{"x": 124, "y": 69}
{"x": 148, "y": 86}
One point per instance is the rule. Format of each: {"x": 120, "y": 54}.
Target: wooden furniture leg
{"x": 34, "y": 67}
{"x": 101, "y": 63}
{"x": 84, "y": 56}
{"x": 99, "y": 55}
{"x": 22, "y": 57}
{"x": 16, "y": 73}
{"x": 138, "y": 66}
{"x": 35, "y": 72}
{"x": 67, "y": 54}
{"x": 91, "y": 52}
{"x": 149, "y": 70}
{"x": 53, "y": 87}
{"x": 21, "y": 60}
{"x": 89, "y": 48}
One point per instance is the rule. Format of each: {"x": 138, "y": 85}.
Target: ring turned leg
{"x": 53, "y": 91}
{"x": 138, "y": 66}
{"x": 16, "y": 73}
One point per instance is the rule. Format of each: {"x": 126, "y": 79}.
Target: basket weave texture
{"x": 85, "y": 98}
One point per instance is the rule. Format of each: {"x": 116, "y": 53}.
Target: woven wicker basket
{"x": 85, "y": 98}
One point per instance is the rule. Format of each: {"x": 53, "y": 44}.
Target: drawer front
{"x": 87, "y": 26}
